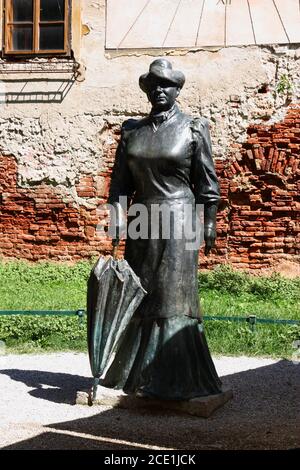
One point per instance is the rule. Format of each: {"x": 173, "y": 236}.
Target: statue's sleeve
{"x": 121, "y": 178}
{"x": 203, "y": 174}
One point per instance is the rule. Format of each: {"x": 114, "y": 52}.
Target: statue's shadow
{"x": 51, "y": 386}
{"x": 264, "y": 414}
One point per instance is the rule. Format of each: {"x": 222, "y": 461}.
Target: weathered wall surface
{"x": 259, "y": 221}
{"x": 56, "y": 157}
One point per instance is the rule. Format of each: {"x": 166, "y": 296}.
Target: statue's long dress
{"x": 165, "y": 160}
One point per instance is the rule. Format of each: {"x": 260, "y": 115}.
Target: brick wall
{"x": 258, "y": 221}
{"x": 258, "y": 224}
{"x": 39, "y": 223}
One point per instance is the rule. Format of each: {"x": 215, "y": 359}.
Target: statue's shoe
{"x": 140, "y": 393}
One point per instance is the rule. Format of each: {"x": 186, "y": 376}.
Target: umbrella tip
{"x": 95, "y": 387}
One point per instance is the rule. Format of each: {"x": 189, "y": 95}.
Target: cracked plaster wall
{"x": 58, "y": 143}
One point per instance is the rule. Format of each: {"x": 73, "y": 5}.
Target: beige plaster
{"x": 59, "y": 141}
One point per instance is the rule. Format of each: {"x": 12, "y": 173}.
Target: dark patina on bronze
{"x": 166, "y": 158}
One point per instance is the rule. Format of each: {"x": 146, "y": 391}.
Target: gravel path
{"x": 37, "y": 409}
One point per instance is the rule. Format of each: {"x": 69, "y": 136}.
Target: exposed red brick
{"x": 40, "y": 224}
{"x": 273, "y": 195}
{"x": 258, "y": 219}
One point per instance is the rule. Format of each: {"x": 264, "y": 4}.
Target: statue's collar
{"x": 158, "y": 118}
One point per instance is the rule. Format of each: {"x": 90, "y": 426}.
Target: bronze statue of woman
{"x": 165, "y": 159}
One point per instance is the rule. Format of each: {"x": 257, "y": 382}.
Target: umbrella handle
{"x": 115, "y": 244}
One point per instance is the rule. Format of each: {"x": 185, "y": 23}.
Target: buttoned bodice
{"x": 165, "y": 161}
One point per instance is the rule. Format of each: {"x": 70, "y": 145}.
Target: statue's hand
{"x": 210, "y": 238}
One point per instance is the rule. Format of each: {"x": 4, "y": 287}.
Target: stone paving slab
{"x": 201, "y": 406}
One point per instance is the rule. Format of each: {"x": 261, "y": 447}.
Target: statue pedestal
{"x": 201, "y": 406}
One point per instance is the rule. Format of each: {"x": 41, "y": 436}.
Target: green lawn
{"x": 223, "y": 292}
{"x": 43, "y": 286}
{"x": 227, "y": 304}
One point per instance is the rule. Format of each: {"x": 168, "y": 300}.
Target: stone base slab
{"x": 200, "y": 406}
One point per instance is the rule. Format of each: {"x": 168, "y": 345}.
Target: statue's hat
{"x": 161, "y": 68}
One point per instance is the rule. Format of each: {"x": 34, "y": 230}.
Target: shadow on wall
{"x": 264, "y": 414}
{"x": 33, "y": 90}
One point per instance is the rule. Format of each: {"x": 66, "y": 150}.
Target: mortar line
{"x": 200, "y": 20}
{"x": 251, "y": 20}
{"x": 225, "y": 26}
{"x": 278, "y": 13}
{"x": 172, "y": 21}
{"x": 134, "y": 23}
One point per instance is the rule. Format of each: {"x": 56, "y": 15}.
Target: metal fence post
{"x": 80, "y": 313}
{"x": 252, "y": 322}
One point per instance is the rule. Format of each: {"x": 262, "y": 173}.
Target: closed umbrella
{"x": 114, "y": 293}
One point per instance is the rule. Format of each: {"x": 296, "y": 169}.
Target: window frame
{"x": 35, "y": 52}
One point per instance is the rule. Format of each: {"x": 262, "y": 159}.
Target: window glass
{"x": 51, "y": 37}
{"x": 22, "y": 10}
{"x": 22, "y": 38}
{"x": 52, "y": 10}
{"x": 36, "y": 27}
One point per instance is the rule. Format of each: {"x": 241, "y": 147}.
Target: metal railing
{"x": 252, "y": 320}
{"x": 80, "y": 313}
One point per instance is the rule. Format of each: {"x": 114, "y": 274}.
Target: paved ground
{"x": 37, "y": 409}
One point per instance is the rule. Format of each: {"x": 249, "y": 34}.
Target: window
{"x": 36, "y": 27}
